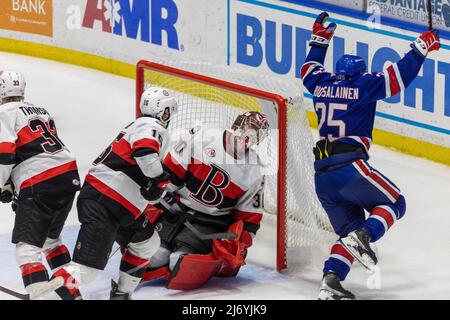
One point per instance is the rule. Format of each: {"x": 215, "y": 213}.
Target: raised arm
{"x": 312, "y": 71}
{"x": 398, "y": 76}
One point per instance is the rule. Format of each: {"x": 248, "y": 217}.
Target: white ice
{"x": 90, "y": 107}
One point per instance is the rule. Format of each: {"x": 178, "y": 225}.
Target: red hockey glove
{"x": 155, "y": 189}
{"x": 321, "y": 36}
{"x": 233, "y": 252}
{"x": 427, "y": 42}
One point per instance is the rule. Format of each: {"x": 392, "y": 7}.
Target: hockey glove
{"x": 156, "y": 187}
{"x": 233, "y": 252}
{"x": 321, "y": 36}
{"x": 6, "y": 195}
{"x": 427, "y": 42}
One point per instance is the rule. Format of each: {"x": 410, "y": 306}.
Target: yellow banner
{"x": 31, "y": 16}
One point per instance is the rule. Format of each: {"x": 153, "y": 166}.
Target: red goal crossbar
{"x": 282, "y": 127}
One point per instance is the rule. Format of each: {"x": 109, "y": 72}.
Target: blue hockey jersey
{"x": 346, "y": 107}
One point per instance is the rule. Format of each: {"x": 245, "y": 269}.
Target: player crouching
{"x": 346, "y": 184}
{"x": 110, "y": 205}
{"x": 212, "y": 217}
{"x": 39, "y": 174}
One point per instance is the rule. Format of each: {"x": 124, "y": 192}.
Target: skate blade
{"x": 329, "y": 295}
{"x": 351, "y": 244}
{"x": 51, "y": 286}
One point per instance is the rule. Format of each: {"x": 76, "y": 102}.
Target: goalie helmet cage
{"x": 310, "y": 228}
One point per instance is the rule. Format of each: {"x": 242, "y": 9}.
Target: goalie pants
{"x": 346, "y": 193}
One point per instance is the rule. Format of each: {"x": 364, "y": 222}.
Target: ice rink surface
{"x": 90, "y": 108}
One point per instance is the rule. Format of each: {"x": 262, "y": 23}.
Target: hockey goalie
{"x": 215, "y": 209}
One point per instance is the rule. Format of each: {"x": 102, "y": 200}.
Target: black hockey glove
{"x": 155, "y": 189}
{"x": 6, "y": 195}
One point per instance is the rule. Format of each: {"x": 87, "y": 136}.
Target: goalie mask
{"x": 250, "y": 128}
{"x": 158, "y": 103}
{"x": 12, "y": 84}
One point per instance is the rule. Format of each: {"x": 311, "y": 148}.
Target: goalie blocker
{"x": 215, "y": 198}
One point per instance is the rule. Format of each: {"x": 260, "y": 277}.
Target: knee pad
{"x": 400, "y": 206}
{"x": 26, "y": 253}
{"x": 51, "y": 244}
{"x": 81, "y": 273}
{"x": 145, "y": 249}
{"x": 160, "y": 258}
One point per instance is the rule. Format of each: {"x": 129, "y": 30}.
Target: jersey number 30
{"x": 327, "y": 115}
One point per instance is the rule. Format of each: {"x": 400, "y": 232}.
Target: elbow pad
{"x": 150, "y": 165}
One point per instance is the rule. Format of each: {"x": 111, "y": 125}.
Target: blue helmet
{"x": 350, "y": 66}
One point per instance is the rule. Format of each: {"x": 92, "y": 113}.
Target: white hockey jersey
{"x": 214, "y": 182}
{"x": 32, "y": 154}
{"x": 116, "y": 178}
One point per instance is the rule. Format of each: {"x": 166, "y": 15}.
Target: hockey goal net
{"x": 213, "y": 96}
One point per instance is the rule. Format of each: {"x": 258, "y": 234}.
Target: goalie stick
{"x": 198, "y": 234}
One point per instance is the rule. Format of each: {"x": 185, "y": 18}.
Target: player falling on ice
{"x": 40, "y": 175}
{"x": 220, "y": 194}
{"x": 110, "y": 204}
{"x": 346, "y": 184}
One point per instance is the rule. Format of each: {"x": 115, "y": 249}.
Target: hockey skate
{"x": 358, "y": 244}
{"x": 116, "y": 294}
{"x": 331, "y": 288}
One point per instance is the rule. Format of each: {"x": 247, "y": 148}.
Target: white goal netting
{"x": 211, "y": 107}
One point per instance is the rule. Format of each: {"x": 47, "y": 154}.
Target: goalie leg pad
{"x": 192, "y": 271}
{"x": 158, "y": 266}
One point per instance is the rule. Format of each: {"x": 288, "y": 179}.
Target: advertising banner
{"x": 30, "y": 16}
{"x": 413, "y": 11}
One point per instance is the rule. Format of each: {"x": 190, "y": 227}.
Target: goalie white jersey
{"x": 214, "y": 182}
{"x": 32, "y": 154}
{"x": 116, "y": 177}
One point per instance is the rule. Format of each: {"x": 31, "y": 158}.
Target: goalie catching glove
{"x": 233, "y": 252}
{"x": 322, "y": 35}
{"x": 156, "y": 187}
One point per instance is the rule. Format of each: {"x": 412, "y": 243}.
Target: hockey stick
{"x": 52, "y": 285}
{"x": 198, "y": 234}
{"x": 15, "y": 294}
{"x": 210, "y": 236}
{"x": 430, "y": 15}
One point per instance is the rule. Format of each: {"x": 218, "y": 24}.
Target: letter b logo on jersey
{"x": 210, "y": 192}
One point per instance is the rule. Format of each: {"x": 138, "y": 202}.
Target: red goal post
{"x": 282, "y": 120}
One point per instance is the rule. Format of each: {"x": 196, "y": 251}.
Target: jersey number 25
{"x": 328, "y": 113}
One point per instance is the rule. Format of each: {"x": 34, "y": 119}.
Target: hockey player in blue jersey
{"x": 346, "y": 185}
